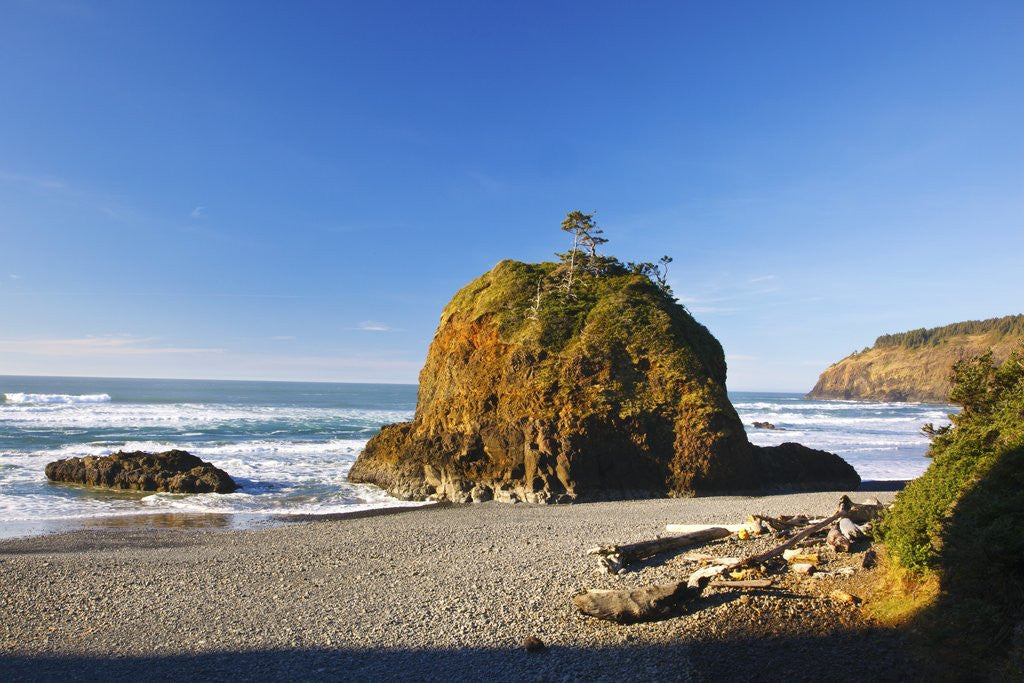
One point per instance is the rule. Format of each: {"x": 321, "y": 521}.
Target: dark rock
{"x": 768, "y": 425}
{"x": 534, "y": 644}
{"x": 173, "y": 472}
{"x": 793, "y": 466}
{"x": 616, "y": 392}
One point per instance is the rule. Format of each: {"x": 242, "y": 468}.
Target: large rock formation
{"x": 171, "y": 471}
{"x": 917, "y": 365}
{"x": 614, "y": 391}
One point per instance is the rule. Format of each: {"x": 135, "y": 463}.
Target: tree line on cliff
{"x": 1010, "y": 325}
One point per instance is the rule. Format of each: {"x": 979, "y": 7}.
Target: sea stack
{"x": 171, "y": 471}
{"x": 541, "y": 391}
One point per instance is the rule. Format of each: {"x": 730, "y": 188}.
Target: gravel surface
{"x": 423, "y": 594}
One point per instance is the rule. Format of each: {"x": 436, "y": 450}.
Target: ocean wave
{"x": 188, "y": 417}
{"x": 44, "y": 399}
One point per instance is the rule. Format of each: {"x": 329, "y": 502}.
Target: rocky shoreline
{"x": 435, "y": 592}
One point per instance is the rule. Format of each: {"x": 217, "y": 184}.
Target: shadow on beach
{"x": 849, "y": 656}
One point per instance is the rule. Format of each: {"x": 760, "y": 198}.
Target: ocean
{"x": 290, "y": 444}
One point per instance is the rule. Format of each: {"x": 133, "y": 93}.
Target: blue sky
{"x": 295, "y": 190}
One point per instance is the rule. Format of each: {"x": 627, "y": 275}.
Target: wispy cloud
{"x": 374, "y": 326}
{"x": 36, "y": 181}
{"x": 14, "y": 277}
{"x": 726, "y": 294}
{"x": 198, "y": 212}
{"x": 64, "y": 191}
{"x": 113, "y": 345}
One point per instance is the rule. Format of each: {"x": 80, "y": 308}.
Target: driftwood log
{"x": 612, "y": 558}
{"x": 642, "y": 604}
{"x": 860, "y": 512}
{"x": 836, "y": 539}
{"x": 780, "y": 524}
{"x": 664, "y": 600}
{"x": 779, "y": 549}
{"x": 848, "y": 528}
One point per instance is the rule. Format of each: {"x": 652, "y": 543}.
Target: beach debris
{"x": 794, "y": 556}
{"x": 746, "y": 583}
{"x": 642, "y": 604}
{"x": 665, "y": 600}
{"x": 838, "y": 541}
{"x": 779, "y": 525}
{"x": 860, "y": 512}
{"x": 613, "y": 558}
{"x": 842, "y": 596}
{"x": 704, "y": 573}
{"x": 849, "y": 528}
{"x": 534, "y": 644}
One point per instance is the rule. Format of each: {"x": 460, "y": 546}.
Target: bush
{"x": 961, "y": 520}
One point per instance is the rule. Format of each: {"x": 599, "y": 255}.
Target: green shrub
{"x": 961, "y": 521}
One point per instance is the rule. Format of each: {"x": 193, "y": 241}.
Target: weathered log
{"x": 643, "y": 604}
{"x": 860, "y": 512}
{"x": 664, "y": 600}
{"x": 836, "y": 539}
{"x": 783, "y": 523}
{"x": 612, "y": 558}
{"x": 849, "y": 529}
{"x": 701, "y": 576}
{"x": 778, "y": 550}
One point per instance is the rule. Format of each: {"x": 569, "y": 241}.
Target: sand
{"x": 434, "y": 593}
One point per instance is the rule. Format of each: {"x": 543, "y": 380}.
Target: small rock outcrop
{"x": 612, "y": 391}
{"x": 768, "y": 425}
{"x": 172, "y": 472}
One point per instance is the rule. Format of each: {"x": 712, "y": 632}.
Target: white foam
{"x": 185, "y": 417}
{"x": 881, "y": 440}
{"x": 56, "y": 398}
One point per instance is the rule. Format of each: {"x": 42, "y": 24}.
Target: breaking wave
{"x": 56, "y": 398}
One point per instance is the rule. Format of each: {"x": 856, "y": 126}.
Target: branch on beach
{"x": 613, "y": 558}
{"x": 661, "y": 601}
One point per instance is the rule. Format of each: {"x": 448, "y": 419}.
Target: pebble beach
{"x": 434, "y": 593}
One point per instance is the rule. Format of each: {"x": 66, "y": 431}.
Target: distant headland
{"x": 916, "y": 365}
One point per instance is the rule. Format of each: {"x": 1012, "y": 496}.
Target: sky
{"x": 257, "y": 190}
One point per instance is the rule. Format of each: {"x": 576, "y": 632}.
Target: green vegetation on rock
{"x": 916, "y": 365}
{"x": 962, "y": 521}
